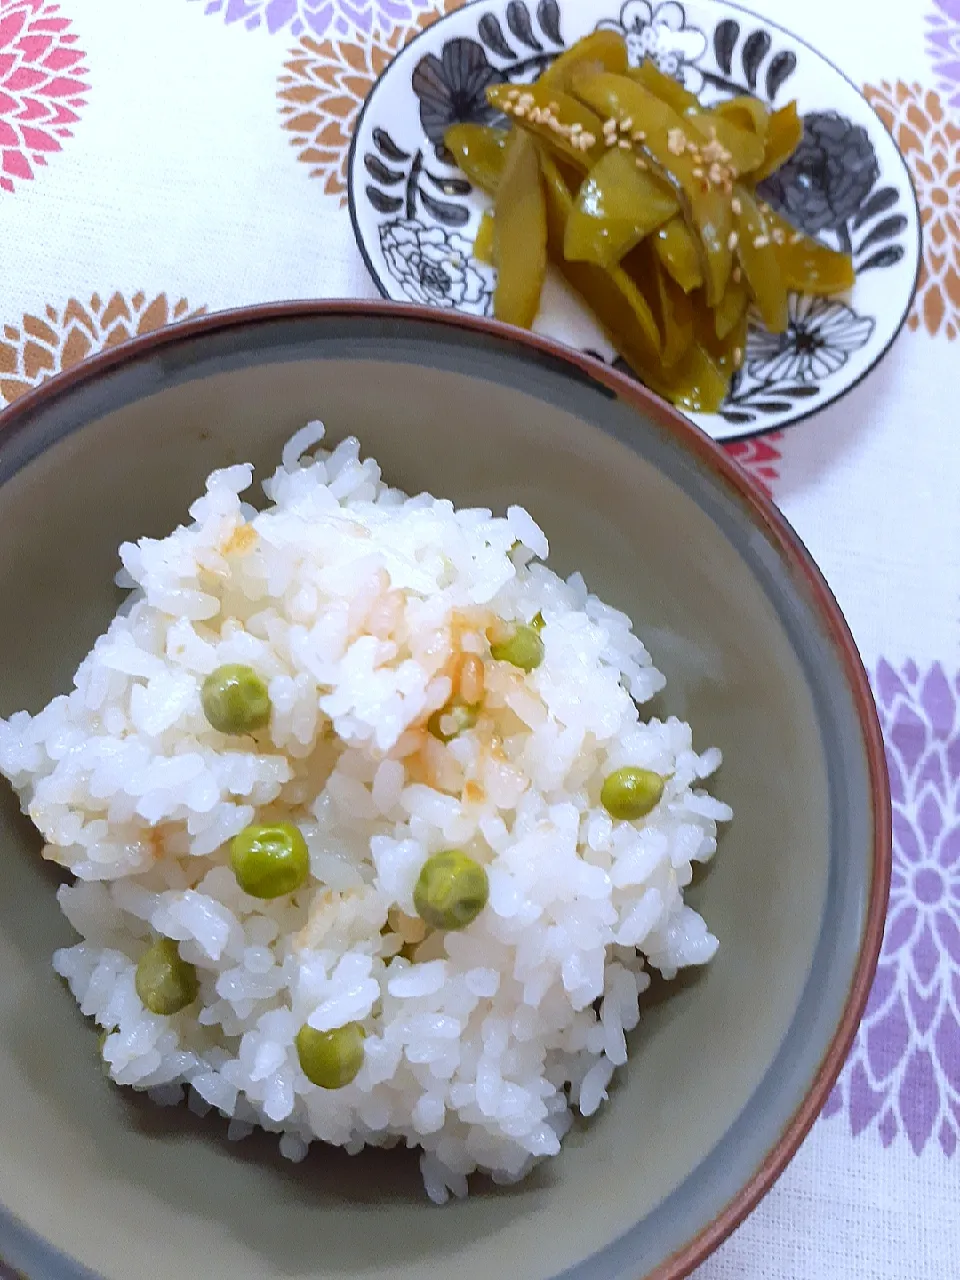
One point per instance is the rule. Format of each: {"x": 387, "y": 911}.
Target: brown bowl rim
{"x": 762, "y": 512}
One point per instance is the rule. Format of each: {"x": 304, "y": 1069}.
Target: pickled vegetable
{"x": 479, "y": 151}
{"x": 744, "y": 150}
{"x": 783, "y": 138}
{"x": 618, "y": 206}
{"x": 668, "y": 90}
{"x": 568, "y": 127}
{"x": 732, "y": 306}
{"x": 645, "y": 201}
{"x": 520, "y": 234}
{"x": 614, "y": 299}
{"x": 672, "y": 308}
{"x": 676, "y": 247}
{"x": 807, "y": 266}
{"x": 604, "y": 50}
{"x": 755, "y": 249}
{"x": 683, "y": 158}
{"x": 740, "y": 139}
{"x": 747, "y": 112}
{"x": 483, "y": 244}
{"x": 726, "y": 353}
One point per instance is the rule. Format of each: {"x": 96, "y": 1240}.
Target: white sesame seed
{"x": 732, "y": 240}
{"x": 736, "y": 206}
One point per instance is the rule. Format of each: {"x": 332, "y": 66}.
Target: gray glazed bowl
{"x": 728, "y": 1069}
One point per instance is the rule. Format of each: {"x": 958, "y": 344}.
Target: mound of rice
{"x": 359, "y": 606}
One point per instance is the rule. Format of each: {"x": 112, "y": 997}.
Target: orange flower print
{"x": 930, "y": 142}
{"x": 325, "y": 83}
{"x": 42, "y": 345}
{"x": 41, "y": 86}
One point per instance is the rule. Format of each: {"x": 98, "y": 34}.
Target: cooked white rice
{"x": 357, "y": 604}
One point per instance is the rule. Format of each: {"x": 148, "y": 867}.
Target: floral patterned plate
{"x": 415, "y": 215}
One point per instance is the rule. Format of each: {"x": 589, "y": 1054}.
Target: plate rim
{"x": 26, "y": 1247}
{"x": 750, "y": 432}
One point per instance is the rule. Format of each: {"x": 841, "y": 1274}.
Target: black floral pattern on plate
{"x": 532, "y": 53}
{"x": 435, "y": 267}
{"x": 820, "y": 337}
{"x": 746, "y": 58}
{"x": 829, "y": 184}
{"x": 781, "y": 368}
{"x": 661, "y": 32}
{"x": 829, "y": 176}
{"x": 452, "y": 89}
{"x": 401, "y": 181}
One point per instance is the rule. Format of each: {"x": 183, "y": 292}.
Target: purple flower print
{"x": 903, "y": 1075}
{"x": 943, "y": 45}
{"x": 314, "y": 17}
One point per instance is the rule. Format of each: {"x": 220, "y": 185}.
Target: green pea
{"x": 165, "y": 983}
{"x": 270, "y": 861}
{"x": 331, "y": 1059}
{"x": 452, "y": 720}
{"x": 631, "y": 793}
{"x": 235, "y": 699}
{"x": 522, "y": 648}
{"x": 451, "y": 890}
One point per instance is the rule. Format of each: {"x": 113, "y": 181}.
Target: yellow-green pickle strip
{"x": 618, "y": 205}
{"x": 520, "y": 234}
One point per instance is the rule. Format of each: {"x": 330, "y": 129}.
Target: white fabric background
{"x": 179, "y": 179}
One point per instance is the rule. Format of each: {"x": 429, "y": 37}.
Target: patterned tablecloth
{"x": 160, "y": 158}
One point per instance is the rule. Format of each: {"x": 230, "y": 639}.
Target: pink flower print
{"x": 41, "y": 86}
{"x": 759, "y": 457}
{"x": 903, "y": 1075}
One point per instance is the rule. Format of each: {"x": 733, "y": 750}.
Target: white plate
{"x": 415, "y": 215}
